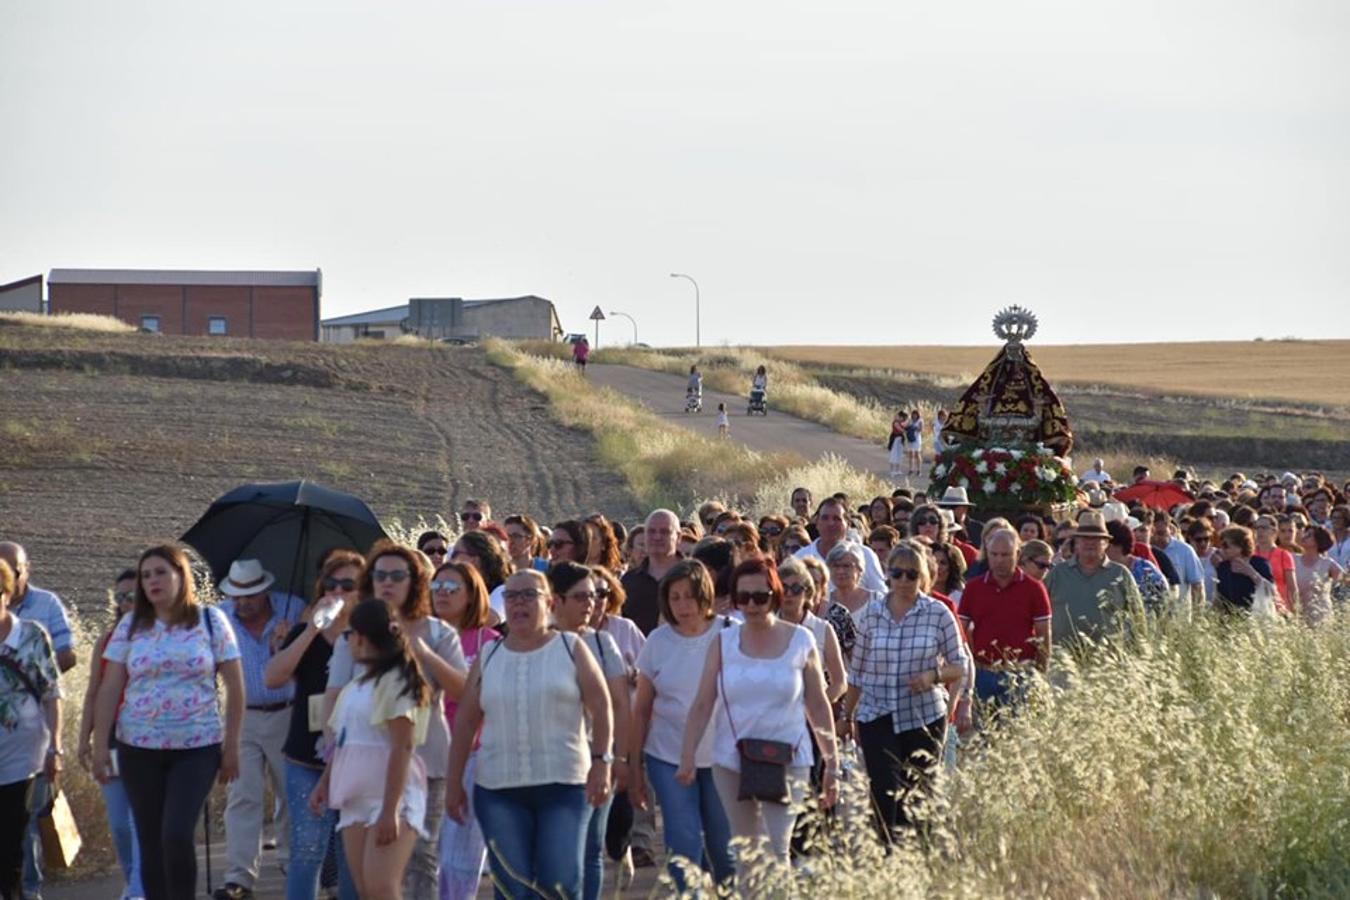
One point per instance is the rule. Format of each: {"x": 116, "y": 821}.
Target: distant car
{"x": 574, "y": 338}
{"x": 642, "y": 346}
{"x": 460, "y": 341}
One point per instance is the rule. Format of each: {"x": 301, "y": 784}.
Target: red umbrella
{"x": 1158, "y": 494}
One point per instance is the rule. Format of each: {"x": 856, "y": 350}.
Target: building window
{"x": 217, "y": 325}
{"x": 150, "y": 323}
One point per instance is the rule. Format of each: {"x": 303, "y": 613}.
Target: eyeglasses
{"x": 759, "y": 598}
{"x": 796, "y": 589}
{"x": 339, "y": 584}
{"x": 397, "y": 577}
{"x": 124, "y": 596}
{"x": 771, "y": 531}
{"x": 435, "y": 551}
{"x": 471, "y": 517}
{"x": 530, "y": 595}
{"x": 907, "y": 574}
{"x": 792, "y": 548}
{"x": 449, "y": 585}
{"x": 556, "y": 543}
{"x": 588, "y": 596}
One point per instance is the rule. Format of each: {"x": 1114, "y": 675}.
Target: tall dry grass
{"x": 81, "y": 321}
{"x": 1194, "y": 759}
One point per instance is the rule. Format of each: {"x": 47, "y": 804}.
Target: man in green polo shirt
{"x": 1089, "y": 590}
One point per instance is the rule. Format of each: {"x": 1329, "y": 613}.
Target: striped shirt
{"x": 888, "y": 652}
{"x": 256, "y": 652}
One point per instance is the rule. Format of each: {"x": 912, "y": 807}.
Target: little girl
{"x": 375, "y": 781}
{"x": 723, "y": 422}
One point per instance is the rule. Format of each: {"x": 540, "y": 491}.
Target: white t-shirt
{"x": 1094, "y": 475}
{"x": 674, "y": 664}
{"x": 497, "y": 600}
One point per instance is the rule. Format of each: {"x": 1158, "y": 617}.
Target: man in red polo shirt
{"x": 1007, "y": 615}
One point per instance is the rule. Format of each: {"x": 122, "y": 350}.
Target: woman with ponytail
{"x": 375, "y": 781}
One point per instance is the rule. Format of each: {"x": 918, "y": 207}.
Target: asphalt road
{"x": 663, "y": 394}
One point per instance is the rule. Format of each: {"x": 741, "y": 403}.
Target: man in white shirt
{"x": 1340, "y": 533}
{"x": 1096, "y": 473}
{"x": 832, "y": 521}
{"x": 1183, "y": 557}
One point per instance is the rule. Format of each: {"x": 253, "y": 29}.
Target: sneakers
{"x": 231, "y": 891}
{"x": 642, "y": 858}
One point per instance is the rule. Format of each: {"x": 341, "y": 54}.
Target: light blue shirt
{"x": 256, "y": 652}
{"x": 1187, "y": 563}
{"x": 47, "y": 610}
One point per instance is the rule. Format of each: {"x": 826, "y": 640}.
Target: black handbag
{"x": 763, "y": 763}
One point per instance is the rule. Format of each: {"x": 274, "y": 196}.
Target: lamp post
{"x": 632, "y": 321}
{"x": 697, "y": 314}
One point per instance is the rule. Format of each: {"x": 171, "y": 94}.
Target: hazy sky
{"x": 841, "y": 172}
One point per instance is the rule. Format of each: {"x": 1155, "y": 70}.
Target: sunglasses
{"x": 925, "y": 521}
{"x": 557, "y": 543}
{"x": 449, "y": 585}
{"x": 907, "y": 574}
{"x": 124, "y": 596}
{"x": 602, "y": 591}
{"x": 397, "y": 577}
{"x": 530, "y": 594}
{"x": 435, "y": 551}
{"x": 339, "y": 584}
{"x": 792, "y": 548}
{"x": 759, "y": 598}
{"x": 471, "y": 517}
{"x": 771, "y": 531}
{"x": 796, "y": 589}
{"x": 1034, "y": 562}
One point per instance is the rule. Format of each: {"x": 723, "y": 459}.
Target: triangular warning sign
{"x": 597, "y": 315}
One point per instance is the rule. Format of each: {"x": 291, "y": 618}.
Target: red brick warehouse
{"x": 281, "y": 305}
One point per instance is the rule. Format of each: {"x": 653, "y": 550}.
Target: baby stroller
{"x": 757, "y": 403}
{"x": 693, "y": 401}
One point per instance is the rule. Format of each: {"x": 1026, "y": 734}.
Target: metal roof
{"x": 307, "y": 278}
{"x": 394, "y": 314}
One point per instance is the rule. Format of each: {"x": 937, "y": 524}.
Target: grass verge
{"x": 665, "y": 465}
{"x": 81, "y": 321}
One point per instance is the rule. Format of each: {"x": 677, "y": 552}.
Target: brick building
{"x": 281, "y": 305}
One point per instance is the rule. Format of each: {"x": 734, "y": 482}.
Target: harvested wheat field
{"x": 1311, "y": 372}
{"x": 109, "y": 443}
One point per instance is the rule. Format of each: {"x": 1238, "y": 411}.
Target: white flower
{"x": 1001, "y": 469}
{"x": 990, "y": 485}
{"x": 962, "y": 482}
{"x": 977, "y": 453}
{"x": 1016, "y": 454}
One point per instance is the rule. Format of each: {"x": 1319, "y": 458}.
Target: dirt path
{"x": 664, "y": 395}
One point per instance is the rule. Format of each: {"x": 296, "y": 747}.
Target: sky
{"x": 835, "y": 173}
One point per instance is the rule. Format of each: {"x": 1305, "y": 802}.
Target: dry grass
{"x": 1316, "y": 372}
{"x": 81, "y": 321}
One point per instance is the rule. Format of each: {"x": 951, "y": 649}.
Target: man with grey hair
{"x": 1007, "y": 616}
{"x": 662, "y": 530}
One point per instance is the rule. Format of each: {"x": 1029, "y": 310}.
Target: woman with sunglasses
{"x": 435, "y": 545}
{"x": 1281, "y": 563}
{"x": 909, "y": 649}
{"x": 794, "y": 538}
{"x": 486, "y": 554}
{"x": 459, "y": 597}
{"x": 538, "y": 776}
{"x": 695, "y": 825}
{"x": 397, "y": 575}
{"x": 570, "y": 540}
{"x": 303, "y": 658}
{"x": 120, "y": 821}
{"x": 771, "y": 530}
{"x": 1035, "y": 559}
{"x": 767, "y": 673}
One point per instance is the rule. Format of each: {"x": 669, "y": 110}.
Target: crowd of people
{"x": 519, "y": 701}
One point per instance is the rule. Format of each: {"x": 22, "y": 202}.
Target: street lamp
{"x": 631, "y": 321}
{"x": 697, "y": 315}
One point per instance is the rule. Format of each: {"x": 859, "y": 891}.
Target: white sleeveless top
{"x": 816, "y": 625}
{"x": 533, "y": 720}
{"x": 764, "y": 698}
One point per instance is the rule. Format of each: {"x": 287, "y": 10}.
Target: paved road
{"x": 664, "y": 395}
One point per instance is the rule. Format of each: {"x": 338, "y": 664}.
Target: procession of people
{"x": 525, "y": 704}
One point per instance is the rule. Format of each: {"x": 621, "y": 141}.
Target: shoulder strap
{"x": 28, "y": 685}
{"x": 722, "y": 686}
{"x": 210, "y": 623}
{"x": 492, "y": 649}
{"x": 599, "y": 649}
{"x": 566, "y": 646}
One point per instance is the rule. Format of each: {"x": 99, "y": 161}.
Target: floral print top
{"x": 23, "y": 724}
{"x": 170, "y": 700}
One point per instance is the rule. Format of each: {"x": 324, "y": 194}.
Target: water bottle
{"x": 327, "y": 612}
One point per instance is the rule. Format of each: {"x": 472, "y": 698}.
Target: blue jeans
{"x": 534, "y": 836}
{"x": 32, "y": 841}
{"x": 593, "y": 856}
{"x": 309, "y": 833}
{"x": 696, "y": 826}
{"x": 123, "y": 827}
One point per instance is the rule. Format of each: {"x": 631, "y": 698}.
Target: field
{"x": 1314, "y": 373}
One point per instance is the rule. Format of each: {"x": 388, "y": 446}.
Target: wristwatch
{"x": 607, "y": 758}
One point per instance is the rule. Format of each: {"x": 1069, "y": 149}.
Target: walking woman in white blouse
{"x": 537, "y": 779}
{"x": 768, "y": 676}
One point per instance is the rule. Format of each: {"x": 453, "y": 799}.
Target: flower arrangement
{"x": 1014, "y": 477}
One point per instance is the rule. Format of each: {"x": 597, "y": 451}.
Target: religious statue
{"x": 1011, "y": 402}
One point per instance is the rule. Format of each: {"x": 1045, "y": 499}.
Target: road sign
{"x": 597, "y": 315}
